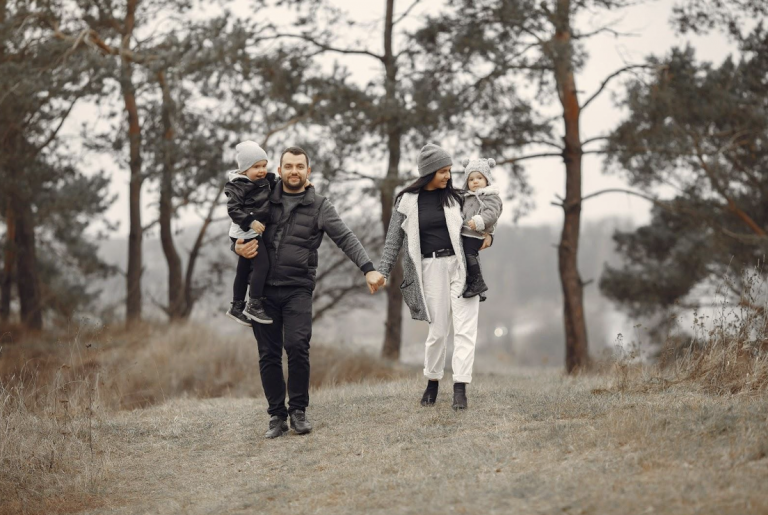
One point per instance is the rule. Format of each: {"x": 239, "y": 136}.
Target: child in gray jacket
{"x": 482, "y": 208}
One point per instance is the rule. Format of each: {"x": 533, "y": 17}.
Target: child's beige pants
{"x": 443, "y": 284}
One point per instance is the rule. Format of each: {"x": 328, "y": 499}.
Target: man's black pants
{"x": 291, "y": 310}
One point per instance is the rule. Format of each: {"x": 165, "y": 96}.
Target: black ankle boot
{"x": 475, "y": 285}
{"x": 430, "y": 394}
{"x": 459, "y": 396}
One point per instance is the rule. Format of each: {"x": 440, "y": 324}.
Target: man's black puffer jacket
{"x": 247, "y": 200}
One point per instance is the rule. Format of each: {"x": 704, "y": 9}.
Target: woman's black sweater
{"x": 433, "y": 230}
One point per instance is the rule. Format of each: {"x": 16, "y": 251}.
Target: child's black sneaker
{"x": 236, "y": 313}
{"x": 255, "y": 311}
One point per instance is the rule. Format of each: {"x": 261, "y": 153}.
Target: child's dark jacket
{"x": 248, "y": 200}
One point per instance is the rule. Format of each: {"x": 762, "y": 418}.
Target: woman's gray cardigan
{"x": 404, "y": 232}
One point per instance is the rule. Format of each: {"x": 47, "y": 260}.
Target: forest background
{"x": 119, "y": 121}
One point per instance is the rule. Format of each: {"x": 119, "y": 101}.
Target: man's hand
{"x": 375, "y": 281}
{"x": 257, "y": 227}
{"x": 247, "y": 250}
{"x": 486, "y": 242}
{"x": 472, "y": 225}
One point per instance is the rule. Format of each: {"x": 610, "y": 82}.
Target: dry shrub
{"x": 725, "y": 354}
{"x": 333, "y": 367}
{"x": 50, "y": 461}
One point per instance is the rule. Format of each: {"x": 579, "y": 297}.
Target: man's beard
{"x": 294, "y": 188}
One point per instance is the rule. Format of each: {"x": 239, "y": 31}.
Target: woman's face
{"x": 441, "y": 178}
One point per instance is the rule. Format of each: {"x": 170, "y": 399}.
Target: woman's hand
{"x": 487, "y": 242}
{"x": 247, "y": 250}
{"x": 375, "y": 281}
{"x": 472, "y": 225}
{"x": 258, "y": 227}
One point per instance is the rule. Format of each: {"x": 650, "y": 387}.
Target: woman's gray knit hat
{"x": 248, "y": 154}
{"x": 432, "y": 158}
{"x": 478, "y": 165}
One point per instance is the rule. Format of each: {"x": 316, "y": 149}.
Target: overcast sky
{"x": 649, "y": 22}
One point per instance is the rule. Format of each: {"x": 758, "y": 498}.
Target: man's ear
{"x": 309, "y": 170}
{"x": 280, "y": 172}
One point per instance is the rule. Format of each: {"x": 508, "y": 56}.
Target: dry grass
{"x": 726, "y": 353}
{"x": 54, "y": 388}
{"x": 128, "y": 422}
{"x": 531, "y": 443}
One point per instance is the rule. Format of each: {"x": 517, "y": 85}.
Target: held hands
{"x": 375, "y": 281}
{"x": 258, "y": 227}
{"x": 247, "y": 250}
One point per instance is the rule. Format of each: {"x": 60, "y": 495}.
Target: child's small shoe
{"x": 236, "y": 313}
{"x": 255, "y": 311}
{"x": 475, "y": 286}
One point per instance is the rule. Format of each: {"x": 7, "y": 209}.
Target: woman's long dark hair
{"x": 448, "y": 195}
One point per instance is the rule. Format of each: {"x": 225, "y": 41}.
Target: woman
{"x": 427, "y": 221}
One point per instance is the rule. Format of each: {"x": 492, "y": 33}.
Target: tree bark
{"x": 9, "y": 260}
{"x": 189, "y": 294}
{"x": 133, "y": 276}
{"x": 175, "y": 307}
{"x": 28, "y": 281}
{"x": 394, "y": 323}
{"x": 576, "y": 346}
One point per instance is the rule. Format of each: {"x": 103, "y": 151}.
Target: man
{"x": 300, "y": 217}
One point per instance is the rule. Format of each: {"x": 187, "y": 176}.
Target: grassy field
{"x": 170, "y": 420}
{"x": 531, "y": 443}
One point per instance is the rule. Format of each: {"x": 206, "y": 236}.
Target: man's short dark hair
{"x": 296, "y": 151}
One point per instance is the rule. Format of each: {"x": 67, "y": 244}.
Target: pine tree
{"x": 41, "y": 84}
{"x": 702, "y": 130}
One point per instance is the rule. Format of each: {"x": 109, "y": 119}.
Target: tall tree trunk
{"x": 175, "y": 284}
{"x": 9, "y": 259}
{"x": 10, "y": 233}
{"x": 576, "y": 350}
{"x": 28, "y": 281}
{"x": 133, "y": 278}
{"x": 394, "y": 323}
{"x": 189, "y": 294}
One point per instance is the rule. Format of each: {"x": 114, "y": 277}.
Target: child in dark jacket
{"x": 248, "y": 192}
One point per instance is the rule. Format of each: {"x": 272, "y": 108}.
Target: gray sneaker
{"x": 277, "y": 427}
{"x": 299, "y": 422}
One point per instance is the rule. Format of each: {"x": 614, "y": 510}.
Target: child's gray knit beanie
{"x": 248, "y": 154}
{"x": 432, "y": 158}
{"x": 478, "y": 165}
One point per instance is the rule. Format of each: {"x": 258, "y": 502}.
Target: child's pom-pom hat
{"x": 478, "y": 165}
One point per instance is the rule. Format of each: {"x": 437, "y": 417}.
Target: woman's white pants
{"x": 443, "y": 285}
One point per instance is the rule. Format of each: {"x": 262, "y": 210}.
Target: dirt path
{"x": 531, "y": 443}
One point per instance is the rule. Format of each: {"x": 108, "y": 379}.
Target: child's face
{"x": 476, "y": 180}
{"x": 257, "y": 171}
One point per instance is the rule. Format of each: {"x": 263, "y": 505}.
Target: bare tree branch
{"x": 53, "y": 134}
{"x": 610, "y": 78}
{"x": 596, "y": 138}
{"x": 530, "y": 156}
{"x": 324, "y": 46}
{"x": 406, "y": 12}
